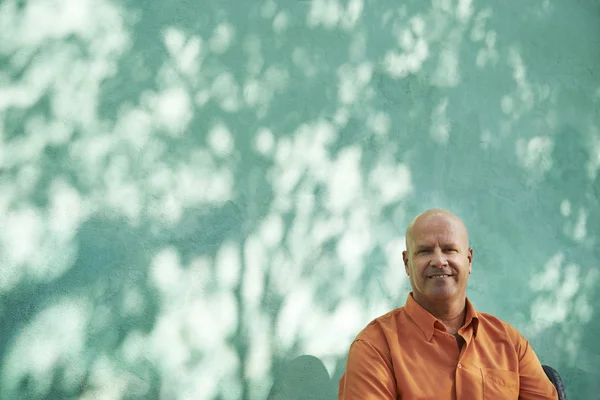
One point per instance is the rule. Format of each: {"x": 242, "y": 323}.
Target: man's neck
{"x": 451, "y": 314}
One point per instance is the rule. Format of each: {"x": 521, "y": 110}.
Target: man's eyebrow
{"x": 427, "y": 246}
{"x": 423, "y": 247}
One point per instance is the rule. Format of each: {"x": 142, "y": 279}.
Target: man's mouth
{"x": 439, "y": 276}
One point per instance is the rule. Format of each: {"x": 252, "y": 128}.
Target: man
{"x": 438, "y": 346}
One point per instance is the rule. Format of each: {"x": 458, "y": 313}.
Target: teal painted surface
{"x": 193, "y": 194}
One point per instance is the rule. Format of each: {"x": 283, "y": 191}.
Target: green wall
{"x": 195, "y": 193}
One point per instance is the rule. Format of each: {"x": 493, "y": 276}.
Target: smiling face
{"x": 437, "y": 257}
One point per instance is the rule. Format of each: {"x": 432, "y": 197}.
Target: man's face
{"x": 438, "y": 259}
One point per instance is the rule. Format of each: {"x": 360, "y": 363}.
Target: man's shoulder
{"x": 493, "y": 320}
{"x": 494, "y": 325}
{"x": 375, "y": 330}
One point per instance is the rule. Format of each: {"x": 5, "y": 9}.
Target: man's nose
{"x": 438, "y": 259}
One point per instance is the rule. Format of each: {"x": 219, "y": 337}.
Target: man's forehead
{"x": 431, "y": 241}
{"x": 445, "y": 235}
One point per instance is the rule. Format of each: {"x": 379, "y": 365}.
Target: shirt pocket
{"x": 499, "y": 384}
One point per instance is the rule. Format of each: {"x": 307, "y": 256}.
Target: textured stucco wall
{"x": 194, "y": 193}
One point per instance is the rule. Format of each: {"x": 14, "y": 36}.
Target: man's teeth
{"x": 439, "y": 276}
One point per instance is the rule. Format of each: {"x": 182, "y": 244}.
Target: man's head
{"x": 437, "y": 257}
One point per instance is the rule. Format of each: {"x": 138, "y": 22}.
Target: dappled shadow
{"x": 304, "y": 377}
{"x": 98, "y": 302}
{"x": 564, "y": 289}
{"x": 194, "y": 194}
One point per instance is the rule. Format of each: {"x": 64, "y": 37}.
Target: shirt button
{"x": 459, "y": 366}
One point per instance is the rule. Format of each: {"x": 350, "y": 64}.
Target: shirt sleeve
{"x": 368, "y": 376}
{"x": 534, "y": 384}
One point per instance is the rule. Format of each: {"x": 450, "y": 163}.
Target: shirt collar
{"x": 427, "y": 322}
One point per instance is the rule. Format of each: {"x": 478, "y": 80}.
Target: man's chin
{"x": 442, "y": 293}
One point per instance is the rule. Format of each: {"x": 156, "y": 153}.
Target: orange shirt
{"x": 407, "y": 354}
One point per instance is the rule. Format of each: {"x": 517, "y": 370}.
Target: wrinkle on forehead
{"x": 454, "y": 223}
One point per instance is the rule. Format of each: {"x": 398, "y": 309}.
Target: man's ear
{"x": 470, "y": 258}
{"x": 405, "y": 259}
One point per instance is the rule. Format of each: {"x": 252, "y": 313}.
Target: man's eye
{"x": 451, "y": 250}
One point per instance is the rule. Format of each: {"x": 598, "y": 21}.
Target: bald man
{"x": 437, "y": 346}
